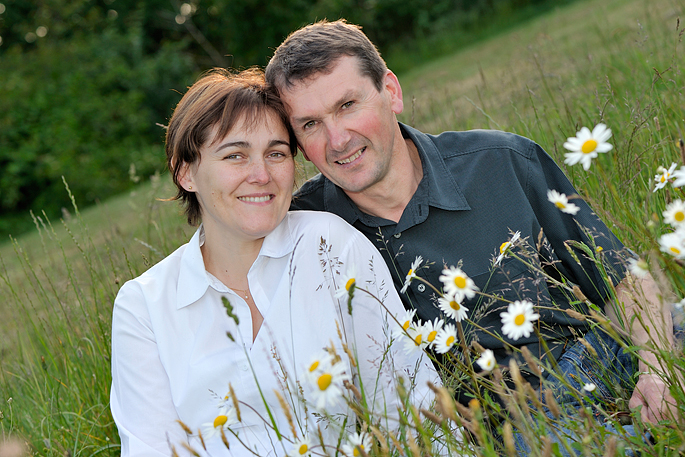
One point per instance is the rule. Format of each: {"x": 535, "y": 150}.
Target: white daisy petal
{"x": 452, "y": 307}
{"x": 675, "y": 214}
{"x": 586, "y": 145}
{"x": 355, "y": 442}
{"x": 487, "y": 361}
{"x": 348, "y": 281}
{"x": 458, "y": 284}
{"x": 446, "y": 338}
{"x": 517, "y": 320}
{"x": 561, "y": 201}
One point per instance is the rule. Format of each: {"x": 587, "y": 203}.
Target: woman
{"x": 176, "y": 347}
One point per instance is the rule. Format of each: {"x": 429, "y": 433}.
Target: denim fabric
{"x": 611, "y": 371}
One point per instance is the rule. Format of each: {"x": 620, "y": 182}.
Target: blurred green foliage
{"x": 87, "y": 84}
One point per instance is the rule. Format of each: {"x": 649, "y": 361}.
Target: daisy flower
{"x": 561, "y": 201}
{"x": 585, "y": 145}
{"x": 320, "y": 363}
{"x": 504, "y": 247}
{"x": 348, "y": 283}
{"x": 327, "y": 384}
{"x": 412, "y": 273}
{"x": 449, "y": 305}
{"x": 355, "y": 442}
{"x": 487, "y": 361}
{"x": 432, "y": 330}
{"x": 517, "y": 320}
{"x": 673, "y": 243}
{"x": 446, "y": 339}
{"x": 675, "y": 213}
{"x": 663, "y": 176}
{"x": 638, "y": 268}
{"x": 406, "y": 321}
{"x": 416, "y": 338}
{"x": 301, "y": 448}
{"x": 222, "y": 421}
{"x": 589, "y": 387}
{"x": 458, "y": 284}
{"x": 679, "y": 177}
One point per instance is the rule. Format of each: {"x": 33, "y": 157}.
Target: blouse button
{"x": 421, "y": 287}
{"x": 244, "y": 367}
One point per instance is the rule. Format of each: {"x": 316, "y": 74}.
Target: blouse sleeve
{"x": 373, "y": 327}
{"x": 140, "y": 400}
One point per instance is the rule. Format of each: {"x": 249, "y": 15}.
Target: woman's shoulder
{"x": 156, "y": 278}
{"x": 319, "y": 223}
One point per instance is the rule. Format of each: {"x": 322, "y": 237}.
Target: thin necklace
{"x": 241, "y": 290}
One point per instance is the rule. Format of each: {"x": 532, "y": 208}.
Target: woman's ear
{"x": 185, "y": 177}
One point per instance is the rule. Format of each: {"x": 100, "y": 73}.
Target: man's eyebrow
{"x": 347, "y": 96}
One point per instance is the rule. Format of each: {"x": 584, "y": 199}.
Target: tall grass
{"x": 615, "y": 61}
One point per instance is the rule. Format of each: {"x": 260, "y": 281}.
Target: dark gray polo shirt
{"x": 478, "y": 188}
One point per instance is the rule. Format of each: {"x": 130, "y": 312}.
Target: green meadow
{"x": 618, "y": 62}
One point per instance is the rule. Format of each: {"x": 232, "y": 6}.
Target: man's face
{"x": 344, "y": 125}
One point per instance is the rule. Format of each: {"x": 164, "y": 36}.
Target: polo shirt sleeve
{"x": 585, "y": 227}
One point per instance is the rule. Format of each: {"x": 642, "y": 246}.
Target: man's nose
{"x": 338, "y": 136}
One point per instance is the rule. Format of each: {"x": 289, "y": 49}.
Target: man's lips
{"x": 351, "y": 158}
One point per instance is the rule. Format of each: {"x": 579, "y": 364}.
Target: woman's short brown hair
{"x": 219, "y": 99}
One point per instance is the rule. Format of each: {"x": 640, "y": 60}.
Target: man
{"x": 454, "y": 199}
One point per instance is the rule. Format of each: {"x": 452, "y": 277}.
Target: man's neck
{"x": 389, "y": 198}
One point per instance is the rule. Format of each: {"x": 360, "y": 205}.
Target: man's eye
{"x": 347, "y": 104}
{"x": 308, "y": 125}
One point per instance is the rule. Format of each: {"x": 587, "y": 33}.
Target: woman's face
{"x": 244, "y": 181}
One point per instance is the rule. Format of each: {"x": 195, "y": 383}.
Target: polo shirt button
{"x": 397, "y": 235}
{"x": 421, "y": 287}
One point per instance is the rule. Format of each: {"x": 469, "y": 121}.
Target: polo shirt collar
{"x": 443, "y": 191}
{"x": 193, "y": 279}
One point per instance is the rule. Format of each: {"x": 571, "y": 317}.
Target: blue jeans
{"x": 611, "y": 371}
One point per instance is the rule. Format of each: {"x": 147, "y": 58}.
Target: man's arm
{"x": 650, "y": 326}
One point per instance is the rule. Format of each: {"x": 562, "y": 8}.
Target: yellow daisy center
{"x": 675, "y": 250}
{"x": 324, "y": 381}
{"x": 431, "y": 335}
{"x": 356, "y": 452}
{"x": 679, "y": 216}
{"x": 406, "y": 325}
{"x": 460, "y": 282}
{"x": 303, "y": 449}
{"x": 455, "y": 306}
{"x": 313, "y": 366}
{"x": 220, "y": 421}
{"x": 663, "y": 178}
{"x": 350, "y": 283}
{"x": 411, "y": 272}
{"x": 519, "y": 319}
{"x": 560, "y": 205}
{"x": 503, "y": 247}
{"x": 418, "y": 338}
{"x": 589, "y": 146}
{"x": 449, "y": 341}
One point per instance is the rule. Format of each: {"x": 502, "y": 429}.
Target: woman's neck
{"x": 230, "y": 259}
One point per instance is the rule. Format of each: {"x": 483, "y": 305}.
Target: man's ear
{"x": 392, "y": 86}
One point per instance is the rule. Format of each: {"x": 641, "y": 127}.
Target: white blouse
{"x": 172, "y": 358}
